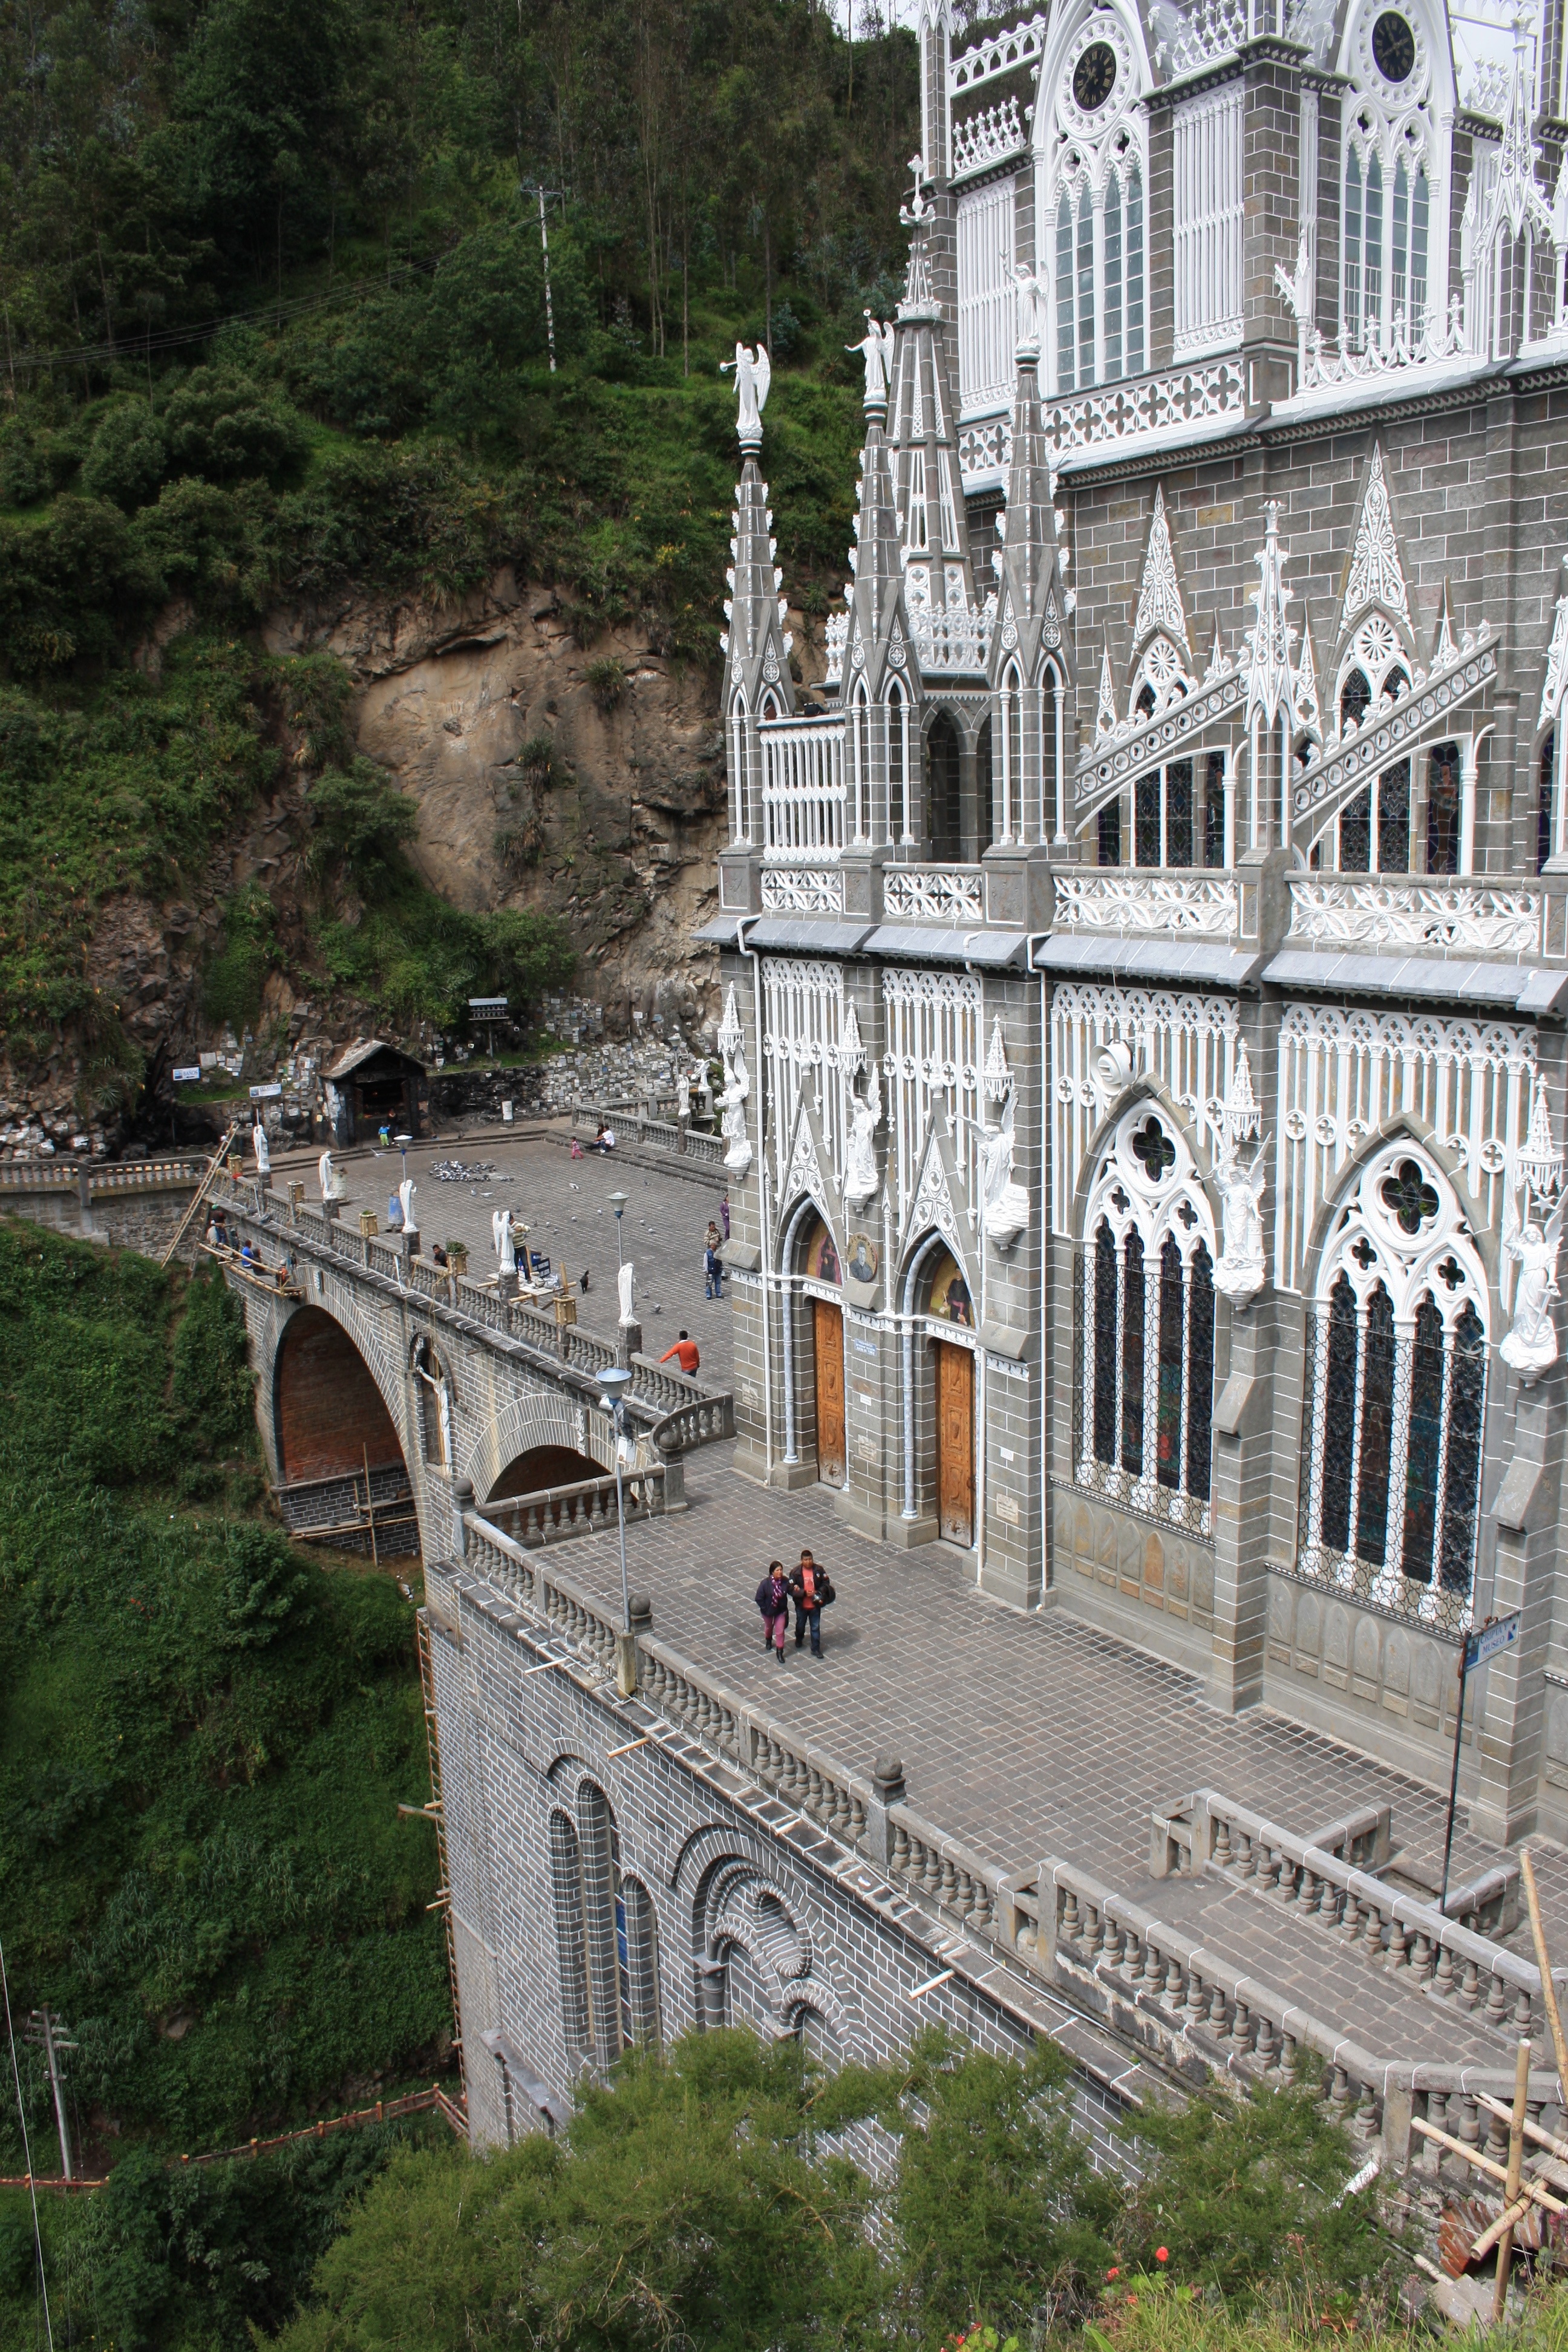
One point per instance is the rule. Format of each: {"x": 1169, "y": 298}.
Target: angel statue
{"x": 405, "y": 1191}
{"x": 877, "y": 345}
{"x": 860, "y": 1177}
{"x": 623, "y": 1280}
{"x": 737, "y": 1087}
{"x": 1031, "y": 306}
{"x": 1531, "y": 1346}
{"x": 262, "y": 1148}
{"x": 1004, "y": 1205}
{"x": 753, "y": 372}
{"x": 1241, "y": 1272}
{"x": 333, "y": 1188}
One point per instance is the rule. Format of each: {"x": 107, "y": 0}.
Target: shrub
{"x": 606, "y": 682}
{"x": 129, "y": 457}
{"x": 361, "y": 816}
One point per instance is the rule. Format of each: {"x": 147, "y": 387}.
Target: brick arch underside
{"x": 330, "y": 1415}
{"x": 541, "y": 1466}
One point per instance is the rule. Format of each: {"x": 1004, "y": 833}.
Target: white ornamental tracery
{"x": 933, "y": 1056}
{"x": 1102, "y": 1038}
{"x": 803, "y": 1028}
{"x": 1395, "y": 1406}
{"x": 1345, "y": 1076}
{"x": 1145, "y": 1391}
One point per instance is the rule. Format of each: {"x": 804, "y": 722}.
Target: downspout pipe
{"x": 1046, "y": 1098}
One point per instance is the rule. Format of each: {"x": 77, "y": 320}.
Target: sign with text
{"x": 266, "y": 1093}
{"x": 1487, "y": 1641}
{"x": 189, "y": 1077}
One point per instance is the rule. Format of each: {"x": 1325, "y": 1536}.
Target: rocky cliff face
{"x": 586, "y": 783}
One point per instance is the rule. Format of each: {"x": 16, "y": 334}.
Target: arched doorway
{"x": 341, "y": 1475}
{"x": 945, "y": 811}
{"x": 947, "y": 1301}
{"x": 820, "y": 1264}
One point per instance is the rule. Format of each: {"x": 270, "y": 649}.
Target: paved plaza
{"x": 1027, "y": 1736}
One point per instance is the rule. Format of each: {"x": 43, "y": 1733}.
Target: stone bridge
{"x": 392, "y": 1393}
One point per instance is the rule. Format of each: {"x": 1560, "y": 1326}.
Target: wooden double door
{"x": 955, "y": 1443}
{"x": 827, "y": 1350}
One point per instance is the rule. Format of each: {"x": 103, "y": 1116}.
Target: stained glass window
{"x": 1108, "y": 837}
{"x": 1214, "y": 810}
{"x": 1146, "y": 801}
{"x": 1179, "y": 813}
{"x": 1104, "y": 1345}
{"x": 1200, "y": 1375}
{"x": 1396, "y": 1395}
{"x": 1355, "y": 835}
{"x": 1394, "y": 819}
{"x": 1443, "y": 810}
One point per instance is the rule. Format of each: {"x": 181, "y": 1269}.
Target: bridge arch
{"x": 538, "y": 1424}
{"x": 330, "y": 1415}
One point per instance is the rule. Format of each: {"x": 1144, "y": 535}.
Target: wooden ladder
{"x": 199, "y": 1196}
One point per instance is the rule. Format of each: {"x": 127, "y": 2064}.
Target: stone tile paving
{"x": 564, "y": 1203}
{"x": 1024, "y": 1736}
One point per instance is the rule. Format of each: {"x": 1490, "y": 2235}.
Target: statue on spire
{"x": 1031, "y": 307}
{"x": 876, "y": 347}
{"x": 753, "y": 372}
{"x": 916, "y": 213}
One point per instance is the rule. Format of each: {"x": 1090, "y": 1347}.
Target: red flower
{"x": 1161, "y": 2254}
{"x": 1110, "y": 2274}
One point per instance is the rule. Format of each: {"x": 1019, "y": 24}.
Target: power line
{"x": 26, "y": 2151}
{"x": 133, "y": 348}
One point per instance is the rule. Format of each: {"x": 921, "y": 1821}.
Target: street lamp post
{"x": 614, "y": 1402}
{"x": 618, "y": 1203}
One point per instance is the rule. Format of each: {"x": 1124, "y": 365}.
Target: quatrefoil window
{"x": 1154, "y": 1148}
{"x": 1363, "y": 1253}
{"x": 1409, "y": 1197}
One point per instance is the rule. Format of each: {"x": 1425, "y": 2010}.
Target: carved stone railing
{"x": 1120, "y": 898}
{"x": 695, "y": 1421}
{"x": 934, "y": 894}
{"x": 803, "y": 890}
{"x": 1142, "y": 405}
{"x": 587, "y": 1507}
{"x": 1001, "y": 53}
{"x": 634, "y": 1126}
{"x": 1208, "y": 31}
{"x": 986, "y": 138}
{"x": 68, "y": 1176}
{"x": 954, "y": 642}
{"x": 1469, "y": 917}
{"x": 1351, "y": 758}
{"x": 1432, "y": 1951}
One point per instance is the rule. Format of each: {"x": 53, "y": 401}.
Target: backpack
{"x": 825, "y": 1595}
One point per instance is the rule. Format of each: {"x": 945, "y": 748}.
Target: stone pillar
{"x": 1507, "y": 1712}
{"x": 462, "y": 1500}
{"x": 888, "y": 1781}
{"x": 628, "y": 1343}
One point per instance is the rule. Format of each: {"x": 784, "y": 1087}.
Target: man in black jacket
{"x": 811, "y": 1590}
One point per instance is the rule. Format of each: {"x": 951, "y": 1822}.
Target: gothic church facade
{"x": 1146, "y": 950}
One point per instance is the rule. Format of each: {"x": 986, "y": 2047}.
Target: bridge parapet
{"x": 673, "y": 1412}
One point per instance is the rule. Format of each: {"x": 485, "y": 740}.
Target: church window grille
{"x": 1109, "y": 833}
{"x": 934, "y": 1055}
{"x": 1163, "y": 813}
{"x": 1374, "y": 829}
{"x": 1214, "y": 810}
{"x": 1145, "y": 1393}
{"x": 1443, "y": 810}
{"x": 1208, "y": 211}
{"x": 1100, "y": 298}
{"x": 1396, "y": 1397}
{"x": 566, "y": 1879}
{"x": 637, "y": 1936}
{"x": 803, "y": 1023}
{"x": 987, "y": 304}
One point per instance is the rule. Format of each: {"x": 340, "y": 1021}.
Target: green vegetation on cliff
{"x": 204, "y": 1739}
{"x": 272, "y": 297}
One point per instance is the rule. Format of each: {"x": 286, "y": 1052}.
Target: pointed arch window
{"x": 740, "y": 796}
{"x": 1144, "y": 1391}
{"x": 1396, "y": 1397}
{"x": 860, "y": 759}
{"x": 899, "y": 796}
{"x": 1386, "y": 239}
{"x": 1544, "y": 801}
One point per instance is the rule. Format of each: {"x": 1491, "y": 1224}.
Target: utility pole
{"x": 46, "y": 2034}
{"x": 537, "y": 188}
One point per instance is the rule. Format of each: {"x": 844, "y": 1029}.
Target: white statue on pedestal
{"x": 737, "y": 1087}
{"x": 1005, "y": 1206}
{"x": 1242, "y": 1271}
{"x": 753, "y": 372}
{"x": 262, "y": 1150}
{"x": 508, "y": 1251}
{"x": 410, "y": 1215}
{"x": 333, "y": 1188}
{"x": 624, "y": 1283}
{"x": 876, "y": 345}
{"x": 1530, "y": 1347}
{"x": 1031, "y": 310}
{"x": 861, "y": 1179}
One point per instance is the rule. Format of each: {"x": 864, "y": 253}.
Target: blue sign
{"x": 1487, "y": 1639}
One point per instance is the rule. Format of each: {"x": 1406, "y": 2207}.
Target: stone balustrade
{"x": 698, "y": 1421}
{"x": 803, "y": 890}
{"x": 1383, "y": 911}
{"x": 934, "y": 894}
{"x": 634, "y": 1126}
{"x": 1437, "y": 1952}
{"x": 1154, "y": 902}
{"x": 129, "y": 1176}
{"x": 554, "y": 1513}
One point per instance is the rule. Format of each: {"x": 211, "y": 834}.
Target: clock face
{"x": 1394, "y": 47}
{"x": 1094, "y": 76}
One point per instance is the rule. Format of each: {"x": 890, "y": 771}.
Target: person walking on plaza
{"x": 713, "y": 1265}
{"x": 685, "y": 1355}
{"x": 772, "y": 1600}
{"x": 811, "y": 1590}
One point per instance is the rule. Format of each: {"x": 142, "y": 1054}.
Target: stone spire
{"x": 1032, "y": 601}
{"x": 924, "y": 436}
{"x": 756, "y": 644}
